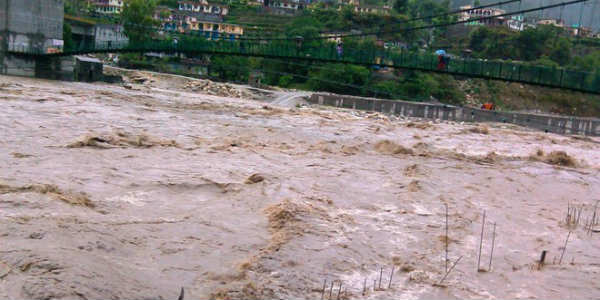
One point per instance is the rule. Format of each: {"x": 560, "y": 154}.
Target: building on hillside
{"x": 108, "y": 6}
{"x": 349, "y": 2}
{"x": 202, "y": 6}
{"x": 333, "y": 37}
{"x": 553, "y": 22}
{"x": 488, "y": 13}
{"x": 207, "y": 25}
{"x": 372, "y": 9}
{"x": 284, "y": 7}
{"x": 109, "y": 35}
{"x": 363, "y": 8}
{"x": 582, "y": 31}
{"x": 516, "y": 23}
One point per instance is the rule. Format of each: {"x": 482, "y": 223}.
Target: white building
{"x": 477, "y": 13}
{"x": 108, "y": 6}
{"x": 109, "y": 35}
{"x": 202, "y": 6}
{"x": 516, "y": 23}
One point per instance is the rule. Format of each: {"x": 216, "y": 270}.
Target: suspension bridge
{"x": 301, "y": 49}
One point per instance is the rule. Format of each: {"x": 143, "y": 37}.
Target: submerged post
{"x": 481, "y": 241}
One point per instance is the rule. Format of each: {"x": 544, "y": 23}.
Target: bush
{"x": 285, "y": 80}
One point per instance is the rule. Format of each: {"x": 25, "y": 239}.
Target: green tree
{"x": 589, "y": 63}
{"x": 533, "y": 42}
{"x": 285, "y": 80}
{"x": 561, "y": 53}
{"x": 401, "y": 6}
{"x": 169, "y": 3}
{"x": 385, "y": 89}
{"x": 545, "y": 61}
{"x": 137, "y": 17}
{"x": 328, "y": 77}
{"x": 68, "y": 37}
{"x": 232, "y": 68}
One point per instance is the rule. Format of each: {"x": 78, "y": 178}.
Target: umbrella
{"x": 440, "y": 52}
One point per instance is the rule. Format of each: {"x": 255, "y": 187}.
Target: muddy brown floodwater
{"x": 134, "y": 191}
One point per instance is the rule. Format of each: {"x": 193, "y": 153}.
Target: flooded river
{"x": 135, "y": 191}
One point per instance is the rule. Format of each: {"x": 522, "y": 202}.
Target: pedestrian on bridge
{"x": 340, "y": 49}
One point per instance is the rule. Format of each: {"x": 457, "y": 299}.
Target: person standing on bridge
{"x": 340, "y": 49}
{"x": 441, "y": 59}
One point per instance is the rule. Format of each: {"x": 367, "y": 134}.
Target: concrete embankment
{"x": 555, "y": 124}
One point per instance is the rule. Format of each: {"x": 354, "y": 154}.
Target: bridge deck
{"x": 477, "y": 68}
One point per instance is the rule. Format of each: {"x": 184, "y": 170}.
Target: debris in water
{"x": 254, "y": 178}
{"x": 119, "y": 139}
{"x": 389, "y": 147}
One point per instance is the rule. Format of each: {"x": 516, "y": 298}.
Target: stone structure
{"x": 88, "y": 69}
{"x": 556, "y": 124}
{"x": 31, "y": 25}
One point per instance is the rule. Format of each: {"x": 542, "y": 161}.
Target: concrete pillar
{"x": 3, "y": 34}
{"x": 30, "y": 26}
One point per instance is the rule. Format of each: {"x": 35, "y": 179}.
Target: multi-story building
{"x": 202, "y": 6}
{"x": 284, "y": 7}
{"x": 516, "y": 23}
{"x": 109, "y": 34}
{"x": 372, "y": 9}
{"x": 108, "y": 6}
{"x": 478, "y": 13}
{"x": 553, "y": 22}
{"x": 363, "y": 8}
{"x": 210, "y": 26}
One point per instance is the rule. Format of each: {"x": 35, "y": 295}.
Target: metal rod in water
{"x": 446, "y": 240}
{"x": 391, "y": 276}
{"x": 492, "y": 252}
{"x": 450, "y": 270}
{"x": 564, "y": 248}
{"x": 331, "y": 289}
{"x": 481, "y": 241}
{"x": 542, "y": 259}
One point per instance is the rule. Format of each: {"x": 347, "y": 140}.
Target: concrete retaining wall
{"x": 556, "y": 124}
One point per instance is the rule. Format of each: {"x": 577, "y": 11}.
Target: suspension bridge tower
{"x": 30, "y": 26}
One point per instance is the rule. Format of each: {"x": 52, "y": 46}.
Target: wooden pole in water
{"x": 450, "y": 270}
{"x": 324, "y": 286}
{"x": 542, "y": 259}
{"x": 481, "y": 241}
{"x": 331, "y": 289}
{"x": 564, "y": 248}
{"x": 365, "y": 287}
{"x": 492, "y": 252}
{"x": 339, "y": 291}
{"x": 391, "y": 276}
{"x": 446, "y": 240}
{"x": 380, "y": 274}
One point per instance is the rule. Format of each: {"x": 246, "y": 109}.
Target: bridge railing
{"x": 327, "y": 52}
